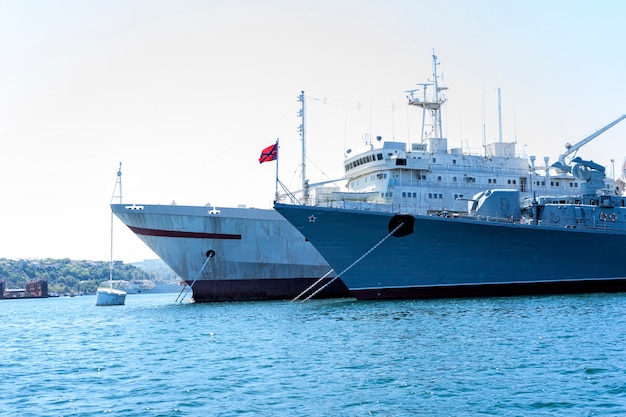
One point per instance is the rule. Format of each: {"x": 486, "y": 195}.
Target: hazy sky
{"x": 187, "y": 93}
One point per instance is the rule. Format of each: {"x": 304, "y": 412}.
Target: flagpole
{"x": 276, "y": 182}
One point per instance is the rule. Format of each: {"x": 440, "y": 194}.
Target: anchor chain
{"x": 186, "y": 288}
{"x": 355, "y": 262}
{"x": 312, "y": 285}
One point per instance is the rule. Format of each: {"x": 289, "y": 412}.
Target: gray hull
{"x": 446, "y": 257}
{"x": 230, "y": 254}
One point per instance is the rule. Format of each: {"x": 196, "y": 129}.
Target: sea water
{"x": 520, "y": 356}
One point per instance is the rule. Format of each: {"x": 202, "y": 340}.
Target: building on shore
{"x": 34, "y": 289}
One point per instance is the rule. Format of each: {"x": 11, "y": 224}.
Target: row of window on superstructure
{"x": 509, "y": 181}
{"x": 364, "y": 160}
{"x": 471, "y": 180}
{"x": 555, "y": 184}
{"x": 414, "y": 195}
{"x": 379, "y": 176}
{"x": 432, "y": 196}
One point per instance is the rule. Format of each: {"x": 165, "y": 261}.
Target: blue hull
{"x": 455, "y": 257}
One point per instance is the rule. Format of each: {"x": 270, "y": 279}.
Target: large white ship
{"x": 254, "y": 254}
{"x": 229, "y": 253}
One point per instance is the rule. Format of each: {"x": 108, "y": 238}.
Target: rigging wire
{"x": 353, "y": 263}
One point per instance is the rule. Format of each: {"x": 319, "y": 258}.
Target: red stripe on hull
{"x": 177, "y": 233}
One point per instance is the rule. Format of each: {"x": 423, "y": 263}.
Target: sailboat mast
{"x": 118, "y": 188}
{"x": 111, "y": 256}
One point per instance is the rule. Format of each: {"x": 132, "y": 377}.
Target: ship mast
{"x": 499, "y": 116}
{"x": 302, "y": 130}
{"x": 439, "y": 101}
{"x": 432, "y": 104}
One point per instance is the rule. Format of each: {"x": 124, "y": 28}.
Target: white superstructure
{"x": 428, "y": 176}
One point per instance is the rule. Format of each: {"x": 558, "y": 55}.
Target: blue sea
{"x": 521, "y": 356}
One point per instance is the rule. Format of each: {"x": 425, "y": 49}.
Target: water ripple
{"x": 539, "y": 356}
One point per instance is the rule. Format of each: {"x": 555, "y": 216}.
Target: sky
{"x": 185, "y": 94}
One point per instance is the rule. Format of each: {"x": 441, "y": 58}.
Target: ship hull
{"x": 456, "y": 257}
{"x": 230, "y": 254}
{"x": 262, "y": 289}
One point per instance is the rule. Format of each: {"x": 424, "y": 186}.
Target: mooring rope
{"x": 187, "y": 288}
{"x": 355, "y": 262}
{"x": 313, "y": 285}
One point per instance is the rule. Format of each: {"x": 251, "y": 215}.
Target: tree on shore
{"x": 65, "y": 276}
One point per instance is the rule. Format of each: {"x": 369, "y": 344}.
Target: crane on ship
{"x": 561, "y": 163}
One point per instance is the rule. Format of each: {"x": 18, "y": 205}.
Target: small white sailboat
{"x": 109, "y": 296}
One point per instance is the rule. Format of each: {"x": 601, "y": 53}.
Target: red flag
{"x": 269, "y": 154}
